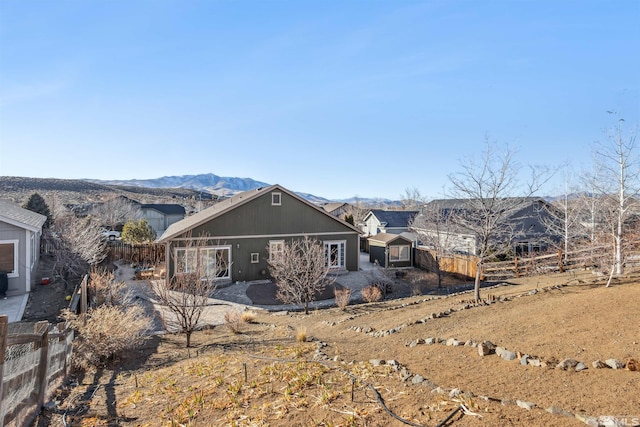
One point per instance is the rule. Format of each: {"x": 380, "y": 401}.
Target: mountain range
{"x": 221, "y": 186}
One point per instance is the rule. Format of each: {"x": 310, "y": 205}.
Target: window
{"x": 276, "y": 249}
{"x": 9, "y": 257}
{"x": 211, "y": 263}
{"x": 399, "y": 253}
{"x": 276, "y": 199}
{"x": 255, "y": 258}
{"x": 334, "y": 254}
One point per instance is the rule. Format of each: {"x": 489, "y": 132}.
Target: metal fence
{"x": 34, "y": 359}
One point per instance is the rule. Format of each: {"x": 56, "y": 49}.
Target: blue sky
{"x": 333, "y": 98}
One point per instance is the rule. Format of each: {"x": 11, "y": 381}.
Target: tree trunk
{"x": 188, "y": 334}
{"x": 476, "y": 288}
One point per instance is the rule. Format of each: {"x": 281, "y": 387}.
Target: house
{"x": 161, "y": 216}
{"x": 382, "y": 221}
{"x": 243, "y": 231}
{"x": 391, "y": 250}
{"x": 339, "y": 209}
{"x": 526, "y": 224}
{"x": 20, "y": 233}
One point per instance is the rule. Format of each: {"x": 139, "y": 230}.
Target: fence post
{"x": 515, "y": 263}
{"x": 44, "y": 360}
{"x": 4, "y": 322}
{"x": 83, "y": 298}
{"x": 560, "y": 263}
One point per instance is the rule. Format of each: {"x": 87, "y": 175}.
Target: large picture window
{"x": 211, "y": 263}
{"x": 399, "y": 253}
{"x": 9, "y": 257}
{"x": 334, "y": 253}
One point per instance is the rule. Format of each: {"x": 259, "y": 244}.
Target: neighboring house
{"x": 244, "y": 230}
{"x": 382, "y": 221}
{"x": 391, "y": 250}
{"x": 20, "y": 233}
{"x": 339, "y": 209}
{"x": 161, "y": 216}
{"x": 527, "y": 230}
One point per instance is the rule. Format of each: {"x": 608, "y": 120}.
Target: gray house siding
{"x": 249, "y": 227}
{"x": 20, "y": 281}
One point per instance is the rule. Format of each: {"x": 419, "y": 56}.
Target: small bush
{"x": 371, "y": 293}
{"x": 248, "y": 316}
{"x": 108, "y": 331}
{"x": 301, "y": 334}
{"x": 106, "y": 290}
{"x": 343, "y": 296}
{"x": 232, "y": 319}
{"x": 416, "y": 286}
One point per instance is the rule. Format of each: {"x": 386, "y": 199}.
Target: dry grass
{"x": 301, "y": 334}
{"x": 343, "y": 297}
{"x": 248, "y": 316}
{"x": 371, "y": 293}
{"x": 232, "y": 320}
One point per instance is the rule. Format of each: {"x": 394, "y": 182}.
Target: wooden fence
{"x": 463, "y": 265}
{"x": 548, "y": 263}
{"x": 466, "y": 265}
{"x": 33, "y": 362}
{"x": 147, "y": 254}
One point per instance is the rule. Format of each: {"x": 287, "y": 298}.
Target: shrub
{"x": 108, "y": 331}
{"x": 371, "y": 293}
{"x": 232, "y": 319}
{"x": 343, "y": 296}
{"x": 106, "y": 290}
{"x": 301, "y": 334}
{"x": 416, "y": 286}
{"x": 248, "y": 316}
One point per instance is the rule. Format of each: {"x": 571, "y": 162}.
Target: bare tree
{"x": 412, "y": 199}
{"x": 617, "y": 186}
{"x": 300, "y": 271}
{"x": 434, "y": 229}
{"x": 566, "y": 217}
{"x": 186, "y": 294}
{"x": 78, "y": 244}
{"x": 489, "y": 195}
{"x": 116, "y": 211}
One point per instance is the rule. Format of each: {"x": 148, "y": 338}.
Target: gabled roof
{"x": 165, "y": 208}
{"x": 392, "y": 219}
{"x": 23, "y": 218}
{"x": 387, "y": 238}
{"x": 231, "y": 203}
{"x": 330, "y": 207}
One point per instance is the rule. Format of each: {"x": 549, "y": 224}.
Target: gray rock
{"x": 526, "y": 405}
{"x": 417, "y": 379}
{"x": 453, "y": 342}
{"x": 376, "y": 362}
{"x": 534, "y": 362}
{"x": 508, "y": 355}
{"x": 485, "y": 348}
{"x": 556, "y": 410}
{"x": 581, "y": 367}
{"x": 455, "y": 392}
{"x": 598, "y": 364}
{"x": 614, "y": 363}
{"x": 413, "y": 343}
{"x": 567, "y": 364}
{"x": 524, "y": 360}
{"x": 430, "y": 341}
{"x": 499, "y": 351}
{"x": 393, "y": 362}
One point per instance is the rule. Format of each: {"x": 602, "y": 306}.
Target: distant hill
{"x": 220, "y": 186}
{"x": 193, "y": 187}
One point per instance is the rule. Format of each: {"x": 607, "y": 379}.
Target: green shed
{"x": 390, "y": 250}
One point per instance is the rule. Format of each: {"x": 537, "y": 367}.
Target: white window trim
{"x": 255, "y": 257}
{"x": 274, "y": 196}
{"x": 16, "y": 254}
{"x": 198, "y": 256}
{"x": 342, "y": 255}
{"x": 273, "y": 248}
{"x": 408, "y": 258}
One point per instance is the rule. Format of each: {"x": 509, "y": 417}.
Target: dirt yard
{"x": 266, "y": 376}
